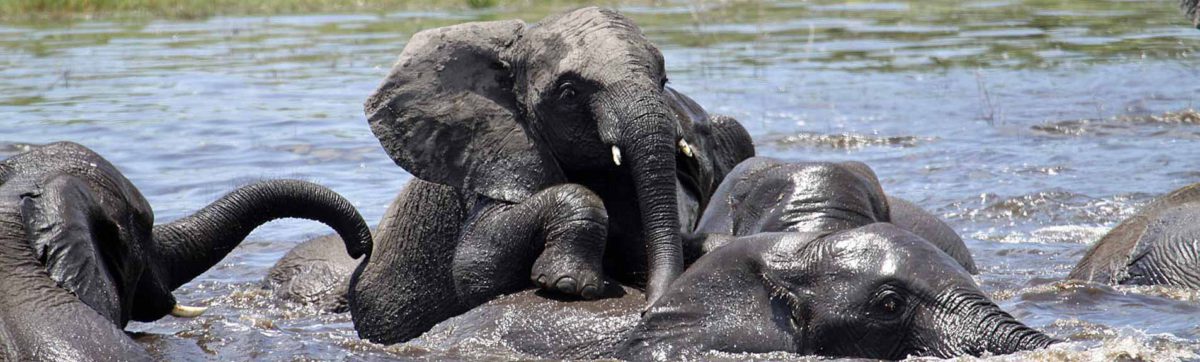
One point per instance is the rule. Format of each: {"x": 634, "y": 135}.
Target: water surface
{"x": 1031, "y": 126}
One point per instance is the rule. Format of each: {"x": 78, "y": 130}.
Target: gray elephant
{"x": 876, "y": 291}
{"x": 768, "y": 195}
{"x": 80, "y": 256}
{"x": 315, "y": 273}
{"x": 796, "y": 261}
{"x": 549, "y": 155}
{"x": 1158, "y": 245}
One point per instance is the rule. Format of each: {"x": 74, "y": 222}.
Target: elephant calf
{"x": 767, "y": 195}
{"x": 552, "y": 155}
{"x": 80, "y": 256}
{"x": 789, "y": 257}
{"x": 1158, "y": 245}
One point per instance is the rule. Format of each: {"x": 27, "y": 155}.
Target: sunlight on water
{"x": 1032, "y": 126}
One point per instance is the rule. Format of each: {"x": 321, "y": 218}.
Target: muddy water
{"x": 1031, "y": 126}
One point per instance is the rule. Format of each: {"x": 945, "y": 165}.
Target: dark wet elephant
{"x": 1158, "y": 245}
{"x": 794, "y": 260}
{"x": 768, "y": 195}
{"x": 80, "y": 256}
{"x": 551, "y": 155}
{"x": 876, "y": 291}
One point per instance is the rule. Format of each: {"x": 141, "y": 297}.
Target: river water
{"x": 1031, "y": 126}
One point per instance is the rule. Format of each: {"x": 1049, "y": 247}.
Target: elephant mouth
{"x": 689, "y": 173}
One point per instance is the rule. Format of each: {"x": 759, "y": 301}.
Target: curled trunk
{"x": 189, "y": 246}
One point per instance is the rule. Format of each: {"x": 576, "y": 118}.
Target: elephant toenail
{"x": 541, "y": 280}
{"x": 589, "y": 291}
{"x": 566, "y": 285}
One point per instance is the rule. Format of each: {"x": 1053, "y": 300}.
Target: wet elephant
{"x": 875, "y": 291}
{"x": 80, "y": 256}
{"x": 767, "y": 195}
{"x": 789, "y": 257}
{"x": 551, "y": 155}
{"x": 1160, "y": 245}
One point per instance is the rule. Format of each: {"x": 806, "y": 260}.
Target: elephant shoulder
{"x": 1108, "y": 259}
{"x": 1189, "y": 194}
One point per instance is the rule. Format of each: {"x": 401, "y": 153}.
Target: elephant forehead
{"x": 888, "y": 250}
{"x": 867, "y": 253}
{"x": 595, "y": 41}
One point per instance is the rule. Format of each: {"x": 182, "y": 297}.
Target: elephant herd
{"x": 560, "y": 181}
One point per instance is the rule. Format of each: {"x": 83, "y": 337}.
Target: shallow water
{"x": 1032, "y": 126}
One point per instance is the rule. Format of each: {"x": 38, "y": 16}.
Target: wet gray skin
{"x": 80, "y": 257}
{"x": 876, "y": 291}
{"x": 1030, "y": 127}
{"x": 763, "y": 194}
{"x": 315, "y": 273}
{"x": 793, "y": 260}
{"x": 1160, "y": 245}
{"x": 560, "y": 157}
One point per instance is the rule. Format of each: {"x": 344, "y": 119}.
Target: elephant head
{"x": 876, "y": 291}
{"x": 93, "y": 233}
{"x": 504, "y": 109}
{"x": 763, "y": 194}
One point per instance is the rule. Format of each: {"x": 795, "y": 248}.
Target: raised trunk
{"x": 189, "y": 246}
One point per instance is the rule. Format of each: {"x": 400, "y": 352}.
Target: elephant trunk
{"x": 983, "y": 327}
{"x": 189, "y": 246}
{"x": 650, "y": 137}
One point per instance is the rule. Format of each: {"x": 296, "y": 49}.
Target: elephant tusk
{"x": 183, "y": 311}
{"x": 616, "y": 155}
{"x": 686, "y": 148}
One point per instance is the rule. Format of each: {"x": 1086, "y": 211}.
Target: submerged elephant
{"x": 550, "y": 155}
{"x": 1158, "y": 245}
{"x": 80, "y": 256}
{"x": 767, "y": 195}
{"x": 315, "y": 273}
{"x": 793, "y": 259}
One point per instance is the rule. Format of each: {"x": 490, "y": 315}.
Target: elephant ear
{"x": 448, "y": 115}
{"x": 878, "y": 199}
{"x": 77, "y": 242}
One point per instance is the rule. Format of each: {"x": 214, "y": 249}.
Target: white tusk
{"x": 686, "y": 148}
{"x": 183, "y": 311}
{"x": 616, "y": 155}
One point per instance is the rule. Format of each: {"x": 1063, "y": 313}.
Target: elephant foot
{"x": 561, "y": 271}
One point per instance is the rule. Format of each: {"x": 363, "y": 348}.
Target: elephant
{"x": 315, "y": 273}
{"x": 80, "y": 256}
{"x": 874, "y": 291}
{"x": 1160, "y": 245}
{"x": 789, "y": 256}
{"x": 551, "y": 155}
{"x": 768, "y": 195}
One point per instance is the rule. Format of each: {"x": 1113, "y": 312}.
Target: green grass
{"x": 16, "y": 10}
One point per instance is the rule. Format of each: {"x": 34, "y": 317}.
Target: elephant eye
{"x": 567, "y": 92}
{"x": 887, "y": 305}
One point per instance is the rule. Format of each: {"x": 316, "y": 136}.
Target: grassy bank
{"x": 26, "y": 10}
